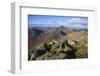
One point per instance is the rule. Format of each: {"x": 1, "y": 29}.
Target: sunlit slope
{"x": 69, "y": 46}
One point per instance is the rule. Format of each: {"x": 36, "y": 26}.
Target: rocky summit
{"x": 58, "y": 44}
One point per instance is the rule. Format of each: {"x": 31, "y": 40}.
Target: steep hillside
{"x": 60, "y": 43}
{"x": 37, "y": 36}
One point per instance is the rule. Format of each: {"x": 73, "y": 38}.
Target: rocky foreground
{"x": 71, "y": 46}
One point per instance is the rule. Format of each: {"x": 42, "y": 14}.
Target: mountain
{"x": 71, "y": 46}
{"x": 39, "y": 35}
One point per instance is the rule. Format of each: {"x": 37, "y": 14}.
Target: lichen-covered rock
{"x": 81, "y": 53}
{"x": 62, "y": 55}
{"x": 71, "y": 42}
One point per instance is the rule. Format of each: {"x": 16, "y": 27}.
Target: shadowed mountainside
{"x": 57, "y": 43}
{"x": 40, "y": 35}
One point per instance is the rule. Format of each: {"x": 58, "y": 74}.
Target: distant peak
{"x": 62, "y": 26}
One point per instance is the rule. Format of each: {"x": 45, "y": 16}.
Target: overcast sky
{"x": 56, "y": 21}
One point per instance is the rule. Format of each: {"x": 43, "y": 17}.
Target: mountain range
{"x": 38, "y": 37}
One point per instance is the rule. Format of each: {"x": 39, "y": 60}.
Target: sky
{"x": 56, "y": 21}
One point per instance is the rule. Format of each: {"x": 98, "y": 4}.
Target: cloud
{"x": 78, "y": 26}
{"x": 54, "y": 22}
{"x": 82, "y": 21}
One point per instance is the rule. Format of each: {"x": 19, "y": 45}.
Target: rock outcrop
{"x": 72, "y": 46}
